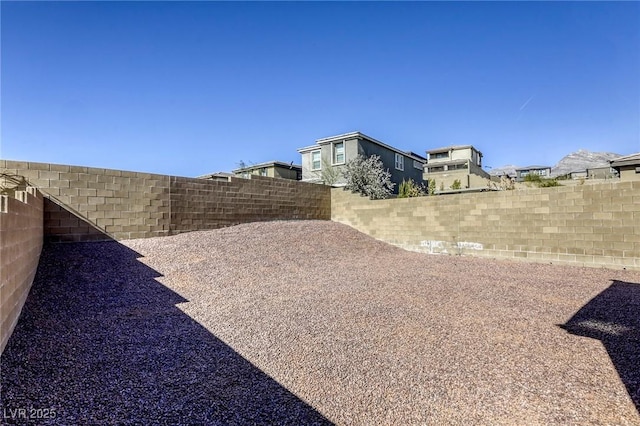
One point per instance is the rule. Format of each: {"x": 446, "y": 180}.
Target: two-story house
{"x": 461, "y": 163}
{"x": 542, "y": 171}
{"x": 325, "y": 161}
{"x": 276, "y": 169}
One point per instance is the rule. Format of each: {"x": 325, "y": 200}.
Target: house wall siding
{"x": 307, "y": 173}
{"x": 388, "y": 159}
{"x": 462, "y": 154}
{"x": 628, "y": 173}
{"x": 584, "y": 225}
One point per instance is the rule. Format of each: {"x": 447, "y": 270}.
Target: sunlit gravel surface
{"x": 313, "y": 322}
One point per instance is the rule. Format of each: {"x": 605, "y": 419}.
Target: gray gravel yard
{"x": 312, "y": 322}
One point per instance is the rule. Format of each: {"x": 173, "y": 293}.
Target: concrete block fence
{"x": 86, "y": 203}
{"x": 586, "y": 225}
{"x": 21, "y": 219}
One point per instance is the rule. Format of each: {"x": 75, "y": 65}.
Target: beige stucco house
{"x": 274, "y": 169}
{"x": 628, "y": 167}
{"x": 459, "y": 162}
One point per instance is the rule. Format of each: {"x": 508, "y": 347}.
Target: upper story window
{"x": 315, "y": 160}
{"x": 338, "y": 153}
{"x": 457, "y": 166}
{"x": 418, "y": 165}
{"x": 438, "y": 155}
{"x": 399, "y": 162}
{"x": 263, "y": 171}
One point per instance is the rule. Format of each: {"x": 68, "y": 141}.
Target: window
{"x": 457, "y": 166}
{"x": 440, "y": 155}
{"x": 436, "y": 169}
{"x": 338, "y": 153}
{"x": 263, "y": 171}
{"x": 315, "y": 160}
{"x": 539, "y": 172}
{"x": 417, "y": 165}
{"x": 399, "y": 162}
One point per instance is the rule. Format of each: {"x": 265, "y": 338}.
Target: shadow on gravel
{"x": 613, "y": 317}
{"x": 100, "y": 341}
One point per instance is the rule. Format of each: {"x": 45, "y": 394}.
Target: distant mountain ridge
{"x": 580, "y": 160}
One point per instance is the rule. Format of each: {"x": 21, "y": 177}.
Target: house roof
{"x": 269, "y": 164}
{"x": 216, "y": 174}
{"x": 450, "y": 147}
{"x": 627, "y": 160}
{"x": 360, "y": 135}
{"x": 308, "y": 148}
{"x": 532, "y": 168}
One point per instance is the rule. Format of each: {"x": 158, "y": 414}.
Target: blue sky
{"x": 188, "y": 88}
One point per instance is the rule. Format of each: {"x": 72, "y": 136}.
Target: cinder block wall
{"x": 21, "y": 232}
{"x": 85, "y": 203}
{"x": 586, "y": 225}
{"x": 204, "y": 204}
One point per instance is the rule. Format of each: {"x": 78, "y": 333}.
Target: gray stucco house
{"x": 335, "y": 151}
{"x": 542, "y": 171}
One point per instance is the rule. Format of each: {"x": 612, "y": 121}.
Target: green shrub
{"x": 408, "y": 188}
{"x": 546, "y": 183}
{"x": 431, "y": 189}
{"x": 541, "y": 182}
{"x": 456, "y": 184}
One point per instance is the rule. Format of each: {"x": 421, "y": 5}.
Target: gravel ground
{"x": 314, "y": 323}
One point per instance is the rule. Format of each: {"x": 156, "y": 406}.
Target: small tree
{"x": 367, "y": 176}
{"x": 328, "y": 174}
{"x": 456, "y": 184}
{"x": 408, "y": 188}
{"x": 432, "y": 187}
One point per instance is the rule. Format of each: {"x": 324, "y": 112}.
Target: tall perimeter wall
{"x": 586, "y": 225}
{"x": 85, "y": 203}
{"x": 20, "y": 245}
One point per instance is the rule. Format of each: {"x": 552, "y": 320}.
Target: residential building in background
{"x": 223, "y": 176}
{"x": 628, "y": 166}
{"x": 576, "y": 175}
{"x": 274, "y": 169}
{"x": 461, "y": 163}
{"x": 325, "y": 161}
{"x": 604, "y": 172}
{"x": 542, "y": 171}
